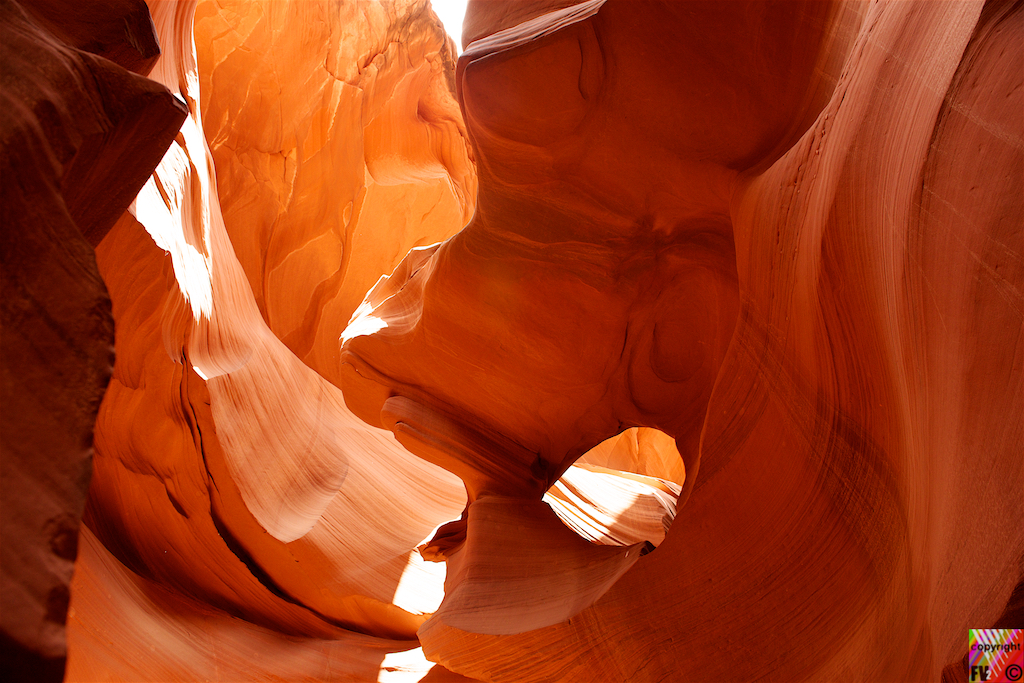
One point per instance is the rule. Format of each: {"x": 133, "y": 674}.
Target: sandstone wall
{"x": 229, "y": 475}
{"x": 648, "y": 341}
{"x": 79, "y": 133}
{"x": 801, "y": 258}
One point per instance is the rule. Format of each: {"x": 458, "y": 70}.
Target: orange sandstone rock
{"x": 338, "y": 145}
{"x": 227, "y": 471}
{"x": 725, "y": 369}
{"x": 801, "y": 259}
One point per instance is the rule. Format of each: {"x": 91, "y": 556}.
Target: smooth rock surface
{"x": 228, "y": 473}
{"x": 725, "y": 367}
{"x": 801, "y": 259}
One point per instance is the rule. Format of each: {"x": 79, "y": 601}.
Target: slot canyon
{"x": 642, "y": 340}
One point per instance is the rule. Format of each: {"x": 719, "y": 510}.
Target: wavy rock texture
{"x": 725, "y": 369}
{"x": 801, "y": 260}
{"x": 235, "y": 499}
{"x": 79, "y": 134}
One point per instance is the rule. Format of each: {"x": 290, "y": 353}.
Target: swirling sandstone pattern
{"x": 725, "y": 369}
{"x": 227, "y": 471}
{"x": 801, "y": 258}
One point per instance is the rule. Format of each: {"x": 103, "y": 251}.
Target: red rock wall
{"x": 78, "y": 135}
{"x": 725, "y": 369}
{"x": 830, "y": 397}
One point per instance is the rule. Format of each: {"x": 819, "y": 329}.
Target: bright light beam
{"x": 451, "y": 13}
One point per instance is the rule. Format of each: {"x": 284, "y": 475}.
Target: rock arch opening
{"x": 622, "y": 491}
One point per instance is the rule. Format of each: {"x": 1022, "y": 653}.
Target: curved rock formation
{"x": 226, "y": 469}
{"x": 711, "y": 311}
{"x": 784, "y": 258}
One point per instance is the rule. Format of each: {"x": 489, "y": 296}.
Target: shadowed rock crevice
{"x": 79, "y": 134}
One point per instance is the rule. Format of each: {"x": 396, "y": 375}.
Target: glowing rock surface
{"x": 648, "y": 341}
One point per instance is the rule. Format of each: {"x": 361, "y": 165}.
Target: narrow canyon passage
{"x": 636, "y": 340}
